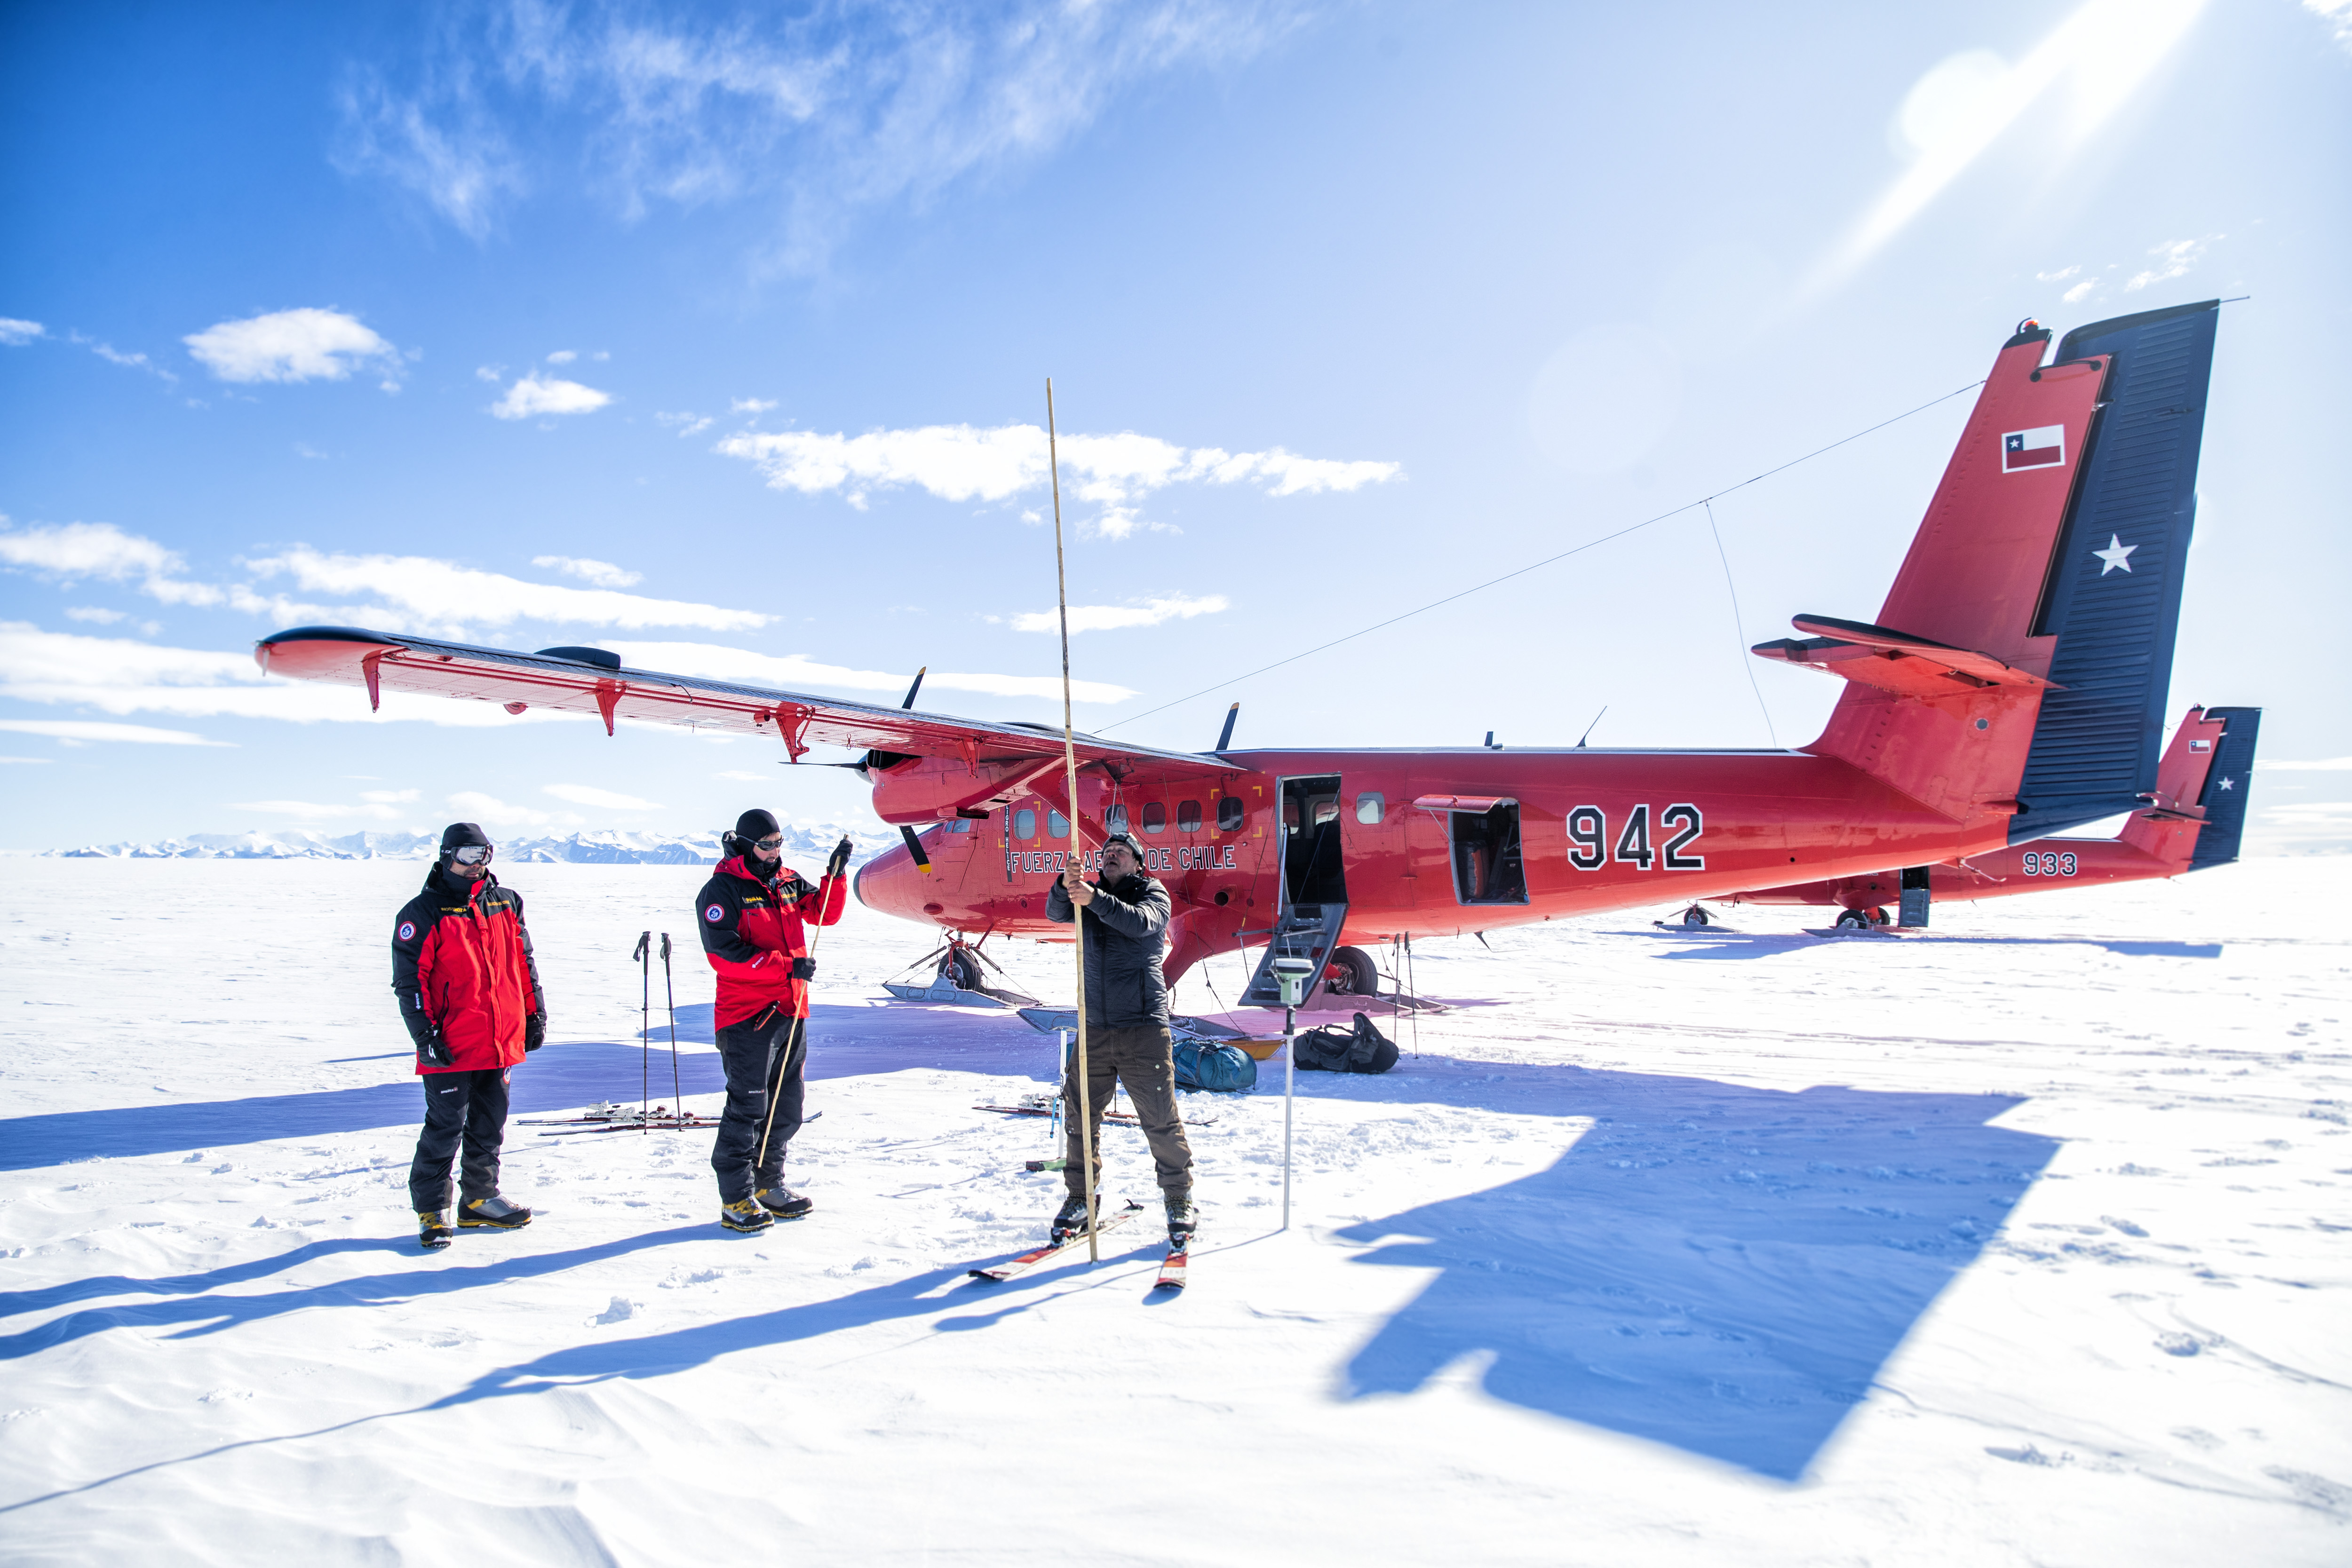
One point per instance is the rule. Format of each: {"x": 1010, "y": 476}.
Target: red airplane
{"x": 2193, "y": 822}
{"x": 2011, "y": 687}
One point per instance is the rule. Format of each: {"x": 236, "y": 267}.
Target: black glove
{"x": 434, "y": 1052}
{"x": 534, "y": 1031}
{"x": 804, "y": 969}
{"x": 840, "y": 857}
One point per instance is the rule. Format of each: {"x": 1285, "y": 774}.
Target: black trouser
{"x": 471, "y": 1106}
{"x": 1144, "y": 1059}
{"x": 750, "y": 1050}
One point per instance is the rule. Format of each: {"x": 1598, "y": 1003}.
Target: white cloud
{"x": 608, "y": 799}
{"x": 603, "y": 573}
{"x": 1114, "y": 617}
{"x": 684, "y": 423}
{"x": 313, "y": 811}
{"x": 532, "y": 396}
{"x": 2174, "y": 258}
{"x": 81, "y": 732}
{"x": 751, "y": 406}
{"x": 388, "y": 797}
{"x": 440, "y": 594}
{"x": 563, "y": 356}
{"x": 302, "y": 345}
{"x": 14, "y": 332}
{"x": 2079, "y": 291}
{"x": 490, "y": 374}
{"x": 35, "y": 761}
{"x": 114, "y": 356}
{"x": 2326, "y": 765}
{"x": 91, "y": 612}
{"x": 479, "y": 806}
{"x": 963, "y": 463}
{"x": 816, "y": 118}
{"x": 101, "y": 549}
{"x": 796, "y": 673}
{"x": 2060, "y": 276}
{"x": 2337, "y": 14}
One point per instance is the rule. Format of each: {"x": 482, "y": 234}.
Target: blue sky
{"x": 718, "y": 336}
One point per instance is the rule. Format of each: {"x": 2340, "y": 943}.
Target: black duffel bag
{"x": 1362, "y": 1048}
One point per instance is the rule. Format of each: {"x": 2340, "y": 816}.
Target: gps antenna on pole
{"x": 1078, "y": 857}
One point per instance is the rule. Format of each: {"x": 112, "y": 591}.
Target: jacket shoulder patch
{"x": 715, "y": 913}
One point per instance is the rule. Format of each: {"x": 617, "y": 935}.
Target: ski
{"x": 1047, "y": 1111}
{"x": 691, "y": 1124}
{"x": 1171, "y": 1269}
{"x": 1027, "y": 1260}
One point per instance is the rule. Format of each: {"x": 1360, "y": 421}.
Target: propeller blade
{"x": 1226, "y": 738}
{"x": 915, "y": 849}
{"x": 916, "y": 687}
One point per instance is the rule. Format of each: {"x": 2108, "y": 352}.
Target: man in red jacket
{"x": 469, "y": 994}
{"x": 753, "y": 913}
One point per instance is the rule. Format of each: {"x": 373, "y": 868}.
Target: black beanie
{"x": 457, "y": 835}
{"x": 756, "y": 825}
{"x": 1127, "y": 842}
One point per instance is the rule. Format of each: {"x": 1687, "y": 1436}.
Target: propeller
{"x": 916, "y": 687}
{"x": 915, "y": 849}
{"x": 1226, "y": 737}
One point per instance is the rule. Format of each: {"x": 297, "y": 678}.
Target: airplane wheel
{"x": 1852, "y": 920}
{"x": 1878, "y": 916}
{"x": 963, "y": 969}
{"x": 1694, "y": 915}
{"x": 1351, "y": 973}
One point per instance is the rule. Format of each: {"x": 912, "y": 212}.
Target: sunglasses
{"x": 472, "y": 854}
{"x": 772, "y": 842}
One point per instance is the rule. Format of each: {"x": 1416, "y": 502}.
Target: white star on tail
{"x": 2225, "y": 783}
{"x": 2118, "y": 555}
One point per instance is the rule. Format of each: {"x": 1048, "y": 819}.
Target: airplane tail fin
{"x": 2168, "y": 825}
{"x": 2020, "y": 663}
{"x": 2228, "y": 781}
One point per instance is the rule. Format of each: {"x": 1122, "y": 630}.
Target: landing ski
{"x": 1027, "y": 1260}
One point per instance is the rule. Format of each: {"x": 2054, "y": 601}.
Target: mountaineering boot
{"x": 783, "y": 1202}
{"x": 1182, "y": 1220}
{"x": 432, "y": 1232}
{"x": 492, "y": 1213}
{"x": 1071, "y": 1220}
{"x": 744, "y": 1214}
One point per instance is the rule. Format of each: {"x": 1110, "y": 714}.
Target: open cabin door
{"x": 1314, "y": 903}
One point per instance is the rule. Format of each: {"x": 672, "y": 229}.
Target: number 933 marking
{"x": 2048, "y": 862}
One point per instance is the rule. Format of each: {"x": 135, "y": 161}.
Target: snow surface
{"x": 2019, "y": 1242}
{"x": 601, "y": 846}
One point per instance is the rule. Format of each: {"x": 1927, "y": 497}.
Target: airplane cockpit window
{"x": 1368, "y": 807}
{"x": 1024, "y": 823}
{"x": 1188, "y": 816}
{"x": 959, "y": 824}
{"x": 1229, "y": 814}
{"x": 1116, "y": 819}
{"x": 1057, "y": 826}
{"x": 1155, "y": 817}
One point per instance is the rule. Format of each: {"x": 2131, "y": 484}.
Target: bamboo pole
{"x": 1078, "y": 845}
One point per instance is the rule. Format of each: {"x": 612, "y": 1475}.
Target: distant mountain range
{"x": 805, "y": 845}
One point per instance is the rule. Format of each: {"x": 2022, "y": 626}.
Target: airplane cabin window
{"x": 1024, "y": 823}
{"x": 1155, "y": 817}
{"x": 1368, "y": 807}
{"x": 1188, "y": 816}
{"x": 1057, "y": 826}
{"x": 1116, "y": 819}
{"x": 1327, "y": 808}
{"x": 1229, "y": 814}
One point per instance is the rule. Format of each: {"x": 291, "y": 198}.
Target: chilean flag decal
{"x": 2042, "y": 448}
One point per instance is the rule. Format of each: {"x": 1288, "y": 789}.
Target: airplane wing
{"x": 590, "y": 680}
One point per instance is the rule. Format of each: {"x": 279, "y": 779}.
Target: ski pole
{"x": 799, "y": 1022}
{"x": 669, "y": 995}
{"x": 644, "y": 1029}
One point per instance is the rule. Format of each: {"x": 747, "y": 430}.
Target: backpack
{"x": 1216, "y": 1067}
{"x": 1362, "y": 1048}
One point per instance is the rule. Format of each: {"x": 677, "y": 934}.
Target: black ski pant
{"x": 1144, "y": 1059}
{"x": 750, "y": 1051}
{"x": 459, "y": 1107}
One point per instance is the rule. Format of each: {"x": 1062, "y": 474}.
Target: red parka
{"x": 753, "y": 929}
{"x": 462, "y": 968}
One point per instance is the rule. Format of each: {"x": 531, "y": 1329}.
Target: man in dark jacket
{"x": 469, "y": 994}
{"x": 1125, "y": 914}
{"x": 753, "y": 914}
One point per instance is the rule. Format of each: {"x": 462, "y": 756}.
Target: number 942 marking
{"x": 2045, "y": 862}
{"x": 1590, "y": 849}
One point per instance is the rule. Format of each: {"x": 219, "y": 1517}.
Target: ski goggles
{"x": 471, "y": 854}
{"x": 770, "y": 844}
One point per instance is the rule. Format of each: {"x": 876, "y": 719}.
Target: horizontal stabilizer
{"x": 1892, "y": 660}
